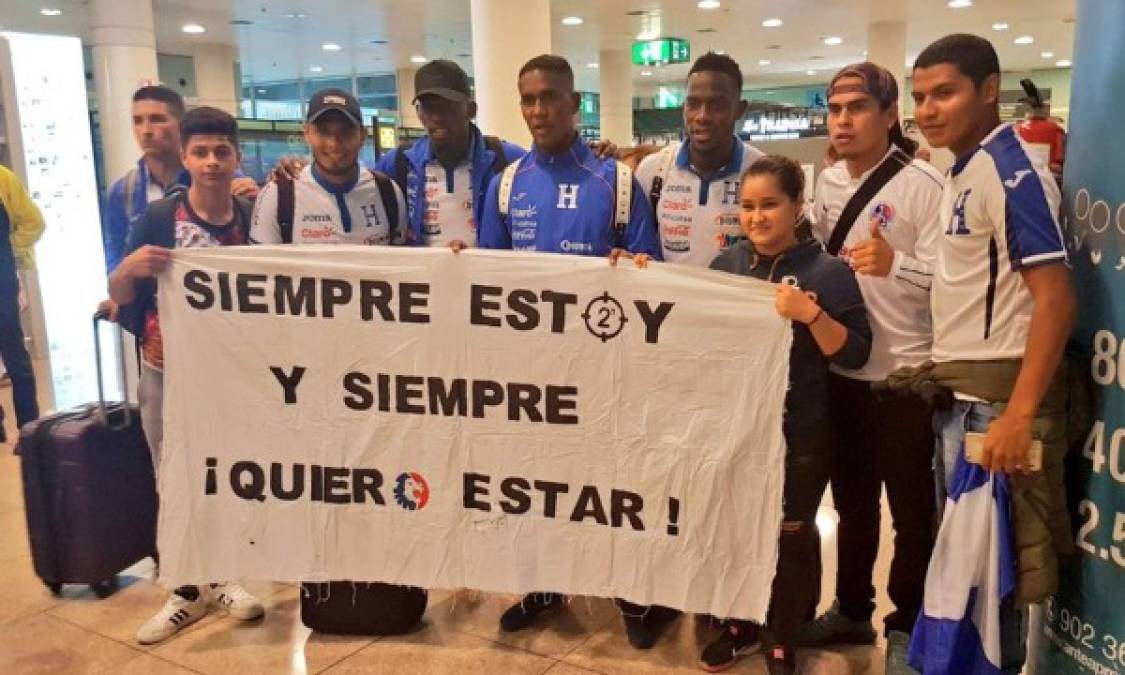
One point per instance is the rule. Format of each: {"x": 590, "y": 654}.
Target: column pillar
{"x": 886, "y": 46}
{"x": 214, "y": 77}
{"x": 404, "y": 83}
{"x": 506, "y": 34}
{"x": 123, "y": 51}
{"x": 616, "y": 88}
{"x": 124, "y": 57}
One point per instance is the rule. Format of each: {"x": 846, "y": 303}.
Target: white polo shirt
{"x": 999, "y": 212}
{"x": 449, "y": 205}
{"x": 697, "y": 218}
{"x": 898, "y": 305}
{"x": 326, "y": 214}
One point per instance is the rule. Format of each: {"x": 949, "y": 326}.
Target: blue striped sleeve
{"x": 1031, "y": 203}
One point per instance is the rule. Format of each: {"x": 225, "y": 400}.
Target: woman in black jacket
{"x": 819, "y": 294}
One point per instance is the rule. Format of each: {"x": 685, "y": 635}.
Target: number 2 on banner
{"x": 1108, "y": 363}
{"x": 1089, "y": 509}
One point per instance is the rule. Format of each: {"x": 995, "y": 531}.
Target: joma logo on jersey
{"x": 1014, "y": 181}
{"x": 568, "y": 196}
{"x": 316, "y": 218}
{"x": 957, "y": 224}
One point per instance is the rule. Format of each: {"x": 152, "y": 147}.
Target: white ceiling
{"x": 275, "y": 46}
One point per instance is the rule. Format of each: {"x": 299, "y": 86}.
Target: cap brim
{"x": 320, "y": 113}
{"x": 444, "y": 92}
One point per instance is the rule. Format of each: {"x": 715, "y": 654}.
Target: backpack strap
{"x": 160, "y": 216}
{"x": 246, "y": 213}
{"x": 666, "y": 159}
{"x": 506, "y": 180}
{"x": 895, "y": 162}
{"x": 624, "y": 203}
{"x": 499, "y": 159}
{"x": 155, "y": 225}
{"x": 402, "y": 167}
{"x": 286, "y": 207}
{"x": 132, "y": 177}
{"x": 390, "y": 202}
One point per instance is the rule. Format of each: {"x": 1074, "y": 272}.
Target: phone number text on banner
{"x": 511, "y": 422}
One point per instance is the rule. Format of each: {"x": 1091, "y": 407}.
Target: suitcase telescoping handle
{"x": 100, "y": 316}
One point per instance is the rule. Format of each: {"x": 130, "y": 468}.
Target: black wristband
{"x": 819, "y": 313}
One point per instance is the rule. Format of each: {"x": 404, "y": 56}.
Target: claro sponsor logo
{"x": 318, "y": 233}
{"x": 676, "y": 204}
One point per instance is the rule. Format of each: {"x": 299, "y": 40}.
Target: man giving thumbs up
{"x": 877, "y": 208}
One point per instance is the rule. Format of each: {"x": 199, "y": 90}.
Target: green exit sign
{"x": 661, "y": 52}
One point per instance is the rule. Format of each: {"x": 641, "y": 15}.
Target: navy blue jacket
{"x": 421, "y": 153}
{"x": 838, "y": 294}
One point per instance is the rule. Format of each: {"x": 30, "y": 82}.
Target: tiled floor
{"x": 78, "y": 633}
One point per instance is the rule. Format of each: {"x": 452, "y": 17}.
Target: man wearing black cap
{"x": 445, "y": 175}
{"x": 333, "y": 200}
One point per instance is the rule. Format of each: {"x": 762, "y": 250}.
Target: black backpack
{"x": 287, "y": 204}
{"x": 361, "y": 608}
{"x": 158, "y": 226}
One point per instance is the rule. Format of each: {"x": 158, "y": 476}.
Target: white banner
{"x": 493, "y": 420}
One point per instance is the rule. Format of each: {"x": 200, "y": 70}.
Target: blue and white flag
{"x": 972, "y": 571}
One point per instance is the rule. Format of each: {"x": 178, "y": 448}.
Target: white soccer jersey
{"x": 697, "y": 218}
{"x": 449, "y": 205}
{"x": 898, "y": 305}
{"x": 325, "y": 214}
{"x": 1000, "y": 214}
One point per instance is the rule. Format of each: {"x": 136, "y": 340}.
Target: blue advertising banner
{"x": 1085, "y": 622}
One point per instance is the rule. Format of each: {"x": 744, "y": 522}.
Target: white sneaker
{"x": 237, "y": 601}
{"x": 177, "y": 613}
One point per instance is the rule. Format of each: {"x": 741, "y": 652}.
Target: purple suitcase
{"x": 89, "y": 493}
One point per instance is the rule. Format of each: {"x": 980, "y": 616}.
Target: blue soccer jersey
{"x": 567, "y": 203}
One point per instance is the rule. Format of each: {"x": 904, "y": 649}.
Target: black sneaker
{"x": 644, "y": 630}
{"x": 710, "y": 621}
{"x": 834, "y": 627}
{"x": 522, "y": 614}
{"x": 741, "y": 638}
{"x": 781, "y": 660}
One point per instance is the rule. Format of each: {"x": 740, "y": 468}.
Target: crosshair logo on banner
{"x": 412, "y": 492}
{"x": 604, "y": 317}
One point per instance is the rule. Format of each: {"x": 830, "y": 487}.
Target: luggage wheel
{"x": 104, "y": 589}
{"x": 53, "y": 586}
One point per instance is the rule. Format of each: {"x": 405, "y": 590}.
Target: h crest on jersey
{"x": 730, "y": 192}
{"x": 370, "y": 215}
{"x": 958, "y": 224}
{"x": 568, "y": 196}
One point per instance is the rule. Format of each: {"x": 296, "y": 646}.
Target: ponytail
{"x": 898, "y": 138}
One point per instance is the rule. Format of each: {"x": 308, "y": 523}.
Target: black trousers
{"x": 796, "y": 584}
{"x": 882, "y": 439}
{"x": 13, "y": 350}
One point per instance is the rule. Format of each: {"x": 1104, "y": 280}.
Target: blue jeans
{"x": 949, "y": 430}
{"x": 12, "y": 349}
